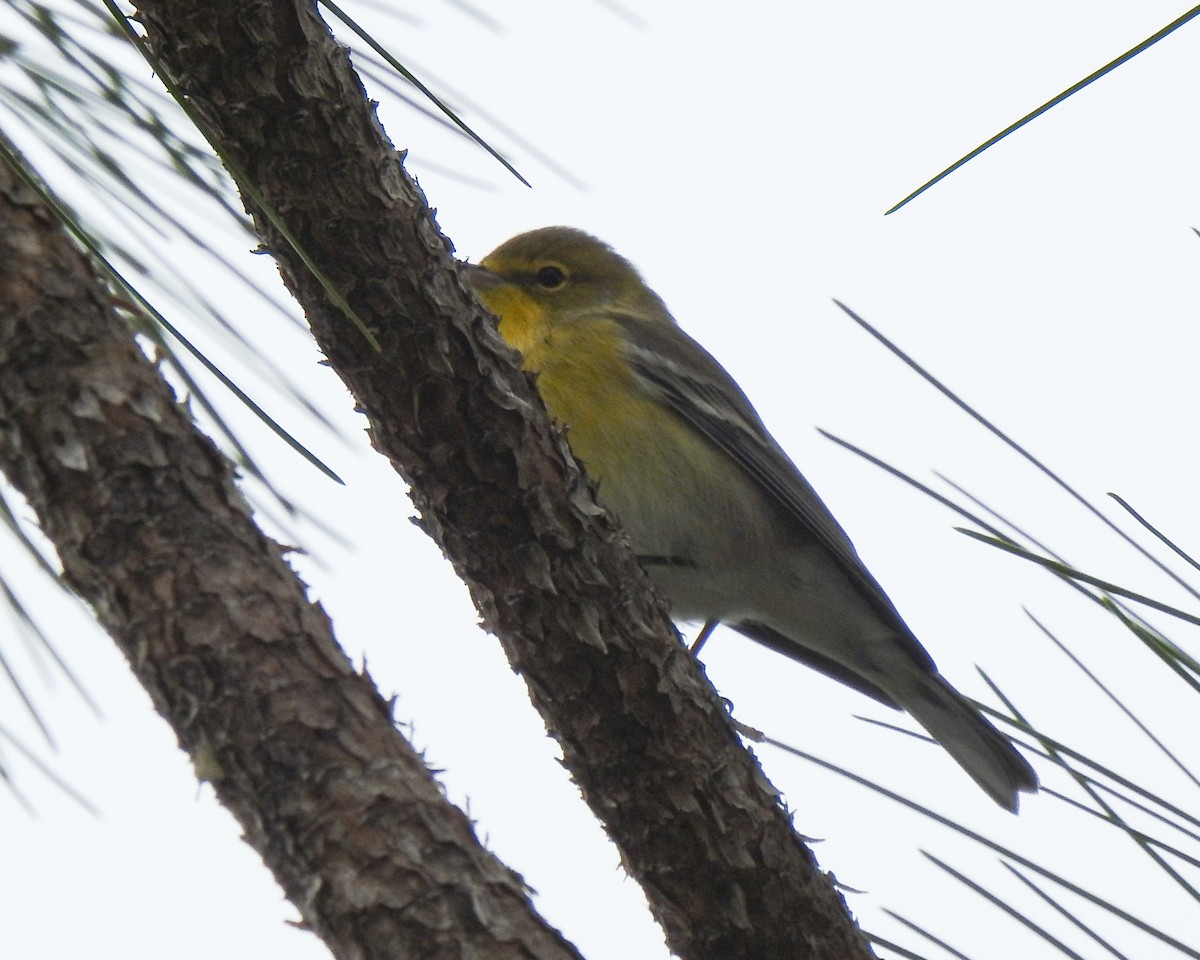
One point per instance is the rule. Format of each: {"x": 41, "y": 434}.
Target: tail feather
{"x": 907, "y": 683}
{"x": 986, "y": 754}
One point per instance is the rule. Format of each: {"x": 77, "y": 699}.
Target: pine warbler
{"x": 721, "y": 519}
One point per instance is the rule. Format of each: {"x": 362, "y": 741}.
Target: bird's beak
{"x": 480, "y": 278}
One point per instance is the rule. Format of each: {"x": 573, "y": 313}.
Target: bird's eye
{"x": 550, "y": 277}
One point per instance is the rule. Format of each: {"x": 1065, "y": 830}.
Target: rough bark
{"x": 643, "y": 734}
{"x": 153, "y": 533}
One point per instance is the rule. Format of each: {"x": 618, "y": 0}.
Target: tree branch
{"x": 153, "y": 533}
{"x": 641, "y": 731}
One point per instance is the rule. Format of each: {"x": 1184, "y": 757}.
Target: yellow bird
{"x": 721, "y": 519}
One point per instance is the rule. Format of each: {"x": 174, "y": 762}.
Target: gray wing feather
{"x": 692, "y": 383}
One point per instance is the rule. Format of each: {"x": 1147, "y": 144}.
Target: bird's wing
{"x": 685, "y": 377}
{"x": 772, "y": 639}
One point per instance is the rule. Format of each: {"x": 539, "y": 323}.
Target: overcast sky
{"x": 743, "y": 159}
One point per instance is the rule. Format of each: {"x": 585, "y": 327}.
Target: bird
{"x": 722, "y": 520}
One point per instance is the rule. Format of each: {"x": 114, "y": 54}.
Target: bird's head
{"x": 557, "y": 275}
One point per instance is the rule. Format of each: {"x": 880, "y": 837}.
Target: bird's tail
{"x": 979, "y": 748}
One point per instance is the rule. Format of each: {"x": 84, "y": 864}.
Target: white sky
{"x": 744, "y": 162}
